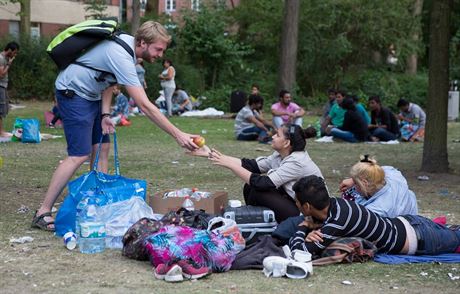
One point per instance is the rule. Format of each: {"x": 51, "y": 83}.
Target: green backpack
{"x": 76, "y": 40}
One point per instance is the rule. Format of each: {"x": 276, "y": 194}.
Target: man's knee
{"x": 78, "y": 160}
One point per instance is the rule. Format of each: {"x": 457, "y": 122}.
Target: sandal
{"x": 39, "y": 222}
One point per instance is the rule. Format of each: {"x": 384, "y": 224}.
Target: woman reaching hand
{"x": 269, "y": 180}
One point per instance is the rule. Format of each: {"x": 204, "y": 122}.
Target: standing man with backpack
{"x": 84, "y": 93}
{"x": 6, "y": 59}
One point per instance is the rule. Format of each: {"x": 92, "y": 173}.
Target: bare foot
{"x": 6, "y": 135}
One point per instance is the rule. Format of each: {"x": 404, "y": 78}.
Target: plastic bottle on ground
{"x": 92, "y": 232}
{"x": 188, "y": 204}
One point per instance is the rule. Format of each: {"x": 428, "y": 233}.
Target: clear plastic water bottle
{"x": 188, "y": 204}
{"x": 91, "y": 231}
{"x": 80, "y": 206}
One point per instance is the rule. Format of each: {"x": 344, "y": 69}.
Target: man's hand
{"x": 186, "y": 141}
{"x": 314, "y": 236}
{"x": 346, "y": 184}
{"x": 108, "y": 127}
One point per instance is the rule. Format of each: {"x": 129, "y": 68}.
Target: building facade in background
{"x": 49, "y": 17}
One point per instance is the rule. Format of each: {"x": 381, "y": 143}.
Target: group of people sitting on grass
{"x": 376, "y": 204}
{"x": 344, "y": 118}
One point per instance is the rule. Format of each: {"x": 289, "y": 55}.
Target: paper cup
{"x": 70, "y": 240}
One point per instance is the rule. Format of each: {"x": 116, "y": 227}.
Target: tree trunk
{"x": 25, "y": 18}
{"x": 289, "y": 36}
{"x": 435, "y": 157}
{"x": 136, "y": 20}
{"x": 411, "y": 62}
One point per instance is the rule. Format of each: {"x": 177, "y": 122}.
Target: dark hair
{"x": 254, "y": 99}
{"x": 376, "y": 99}
{"x": 297, "y": 136}
{"x": 402, "y": 102}
{"x": 341, "y": 92}
{"x": 168, "y": 61}
{"x": 282, "y": 93}
{"x": 331, "y": 90}
{"x": 255, "y": 86}
{"x": 12, "y": 46}
{"x": 348, "y": 104}
{"x": 312, "y": 190}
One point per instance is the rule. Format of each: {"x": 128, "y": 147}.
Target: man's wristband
{"x": 104, "y": 115}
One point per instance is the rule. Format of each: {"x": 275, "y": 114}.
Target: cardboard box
{"x": 215, "y": 204}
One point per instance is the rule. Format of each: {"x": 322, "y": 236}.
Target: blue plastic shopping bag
{"x": 108, "y": 188}
{"x": 27, "y": 130}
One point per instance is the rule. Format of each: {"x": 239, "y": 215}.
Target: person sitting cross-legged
{"x": 249, "y": 126}
{"x": 285, "y": 111}
{"x": 354, "y": 128}
{"x": 337, "y": 218}
{"x": 412, "y": 118}
{"x": 384, "y": 125}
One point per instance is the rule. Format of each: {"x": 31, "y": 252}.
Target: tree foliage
{"x": 206, "y": 39}
{"x": 95, "y": 9}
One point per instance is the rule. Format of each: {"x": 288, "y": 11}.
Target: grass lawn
{"x": 46, "y": 266}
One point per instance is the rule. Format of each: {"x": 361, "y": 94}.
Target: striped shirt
{"x": 348, "y": 219}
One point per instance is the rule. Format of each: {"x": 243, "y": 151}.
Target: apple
{"x": 199, "y": 141}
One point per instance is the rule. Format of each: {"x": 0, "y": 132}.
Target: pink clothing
{"x": 291, "y": 108}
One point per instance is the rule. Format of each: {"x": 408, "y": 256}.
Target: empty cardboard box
{"x": 215, "y": 204}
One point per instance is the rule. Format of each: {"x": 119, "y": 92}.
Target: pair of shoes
{"x": 39, "y": 222}
{"x": 277, "y": 266}
{"x": 178, "y": 271}
{"x": 296, "y": 265}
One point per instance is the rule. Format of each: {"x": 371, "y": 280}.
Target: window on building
{"x": 35, "y": 31}
{"x": 170, "y": 5}
{"x": 13, "y": 28}
{"x": 196, "y": 5}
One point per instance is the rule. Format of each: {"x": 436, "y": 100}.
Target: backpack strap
{"x": 101, "y": 77}
{"x": 122, "y": 43}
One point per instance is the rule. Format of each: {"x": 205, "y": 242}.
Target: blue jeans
{"x": 278, "y": 121}
{"x": 433, "y": 238}
{"x": 383, "y": 134}
{"x": 343, "y": 135}
{"x": 252, "y": 134}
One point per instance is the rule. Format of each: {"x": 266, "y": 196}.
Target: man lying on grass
{"x": 407, "y": 234}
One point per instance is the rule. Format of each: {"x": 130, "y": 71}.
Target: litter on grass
{"x": 21, "y": 240}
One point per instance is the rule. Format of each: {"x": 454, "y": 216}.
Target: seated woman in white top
{"x": 384, "y": 190}
{"x": 269, "y": 180}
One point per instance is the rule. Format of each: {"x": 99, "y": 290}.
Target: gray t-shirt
{"x": 180, "y": 96}
{"x": 416, "y": 114}
{"x": 3, "y": 80}
{"x": 242, "y": 119}
{"x": 107, "y": 56}
{"x": 140, "y": 70}
{"x": 285, "y": 172}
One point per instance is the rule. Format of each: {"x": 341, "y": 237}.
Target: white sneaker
{"x": 275, "y": 266}
{"x": 300, "y": 266}
{"x": 299, "y": 270}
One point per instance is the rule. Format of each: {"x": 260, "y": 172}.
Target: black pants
{"x": 282, "y": 204}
